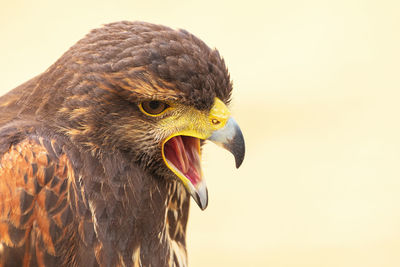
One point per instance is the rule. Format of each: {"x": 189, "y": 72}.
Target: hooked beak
{"x": 181, "y": 151}
{"x": 231, "y": 138}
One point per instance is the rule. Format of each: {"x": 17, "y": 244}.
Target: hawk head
{"x": 151, "y": 92}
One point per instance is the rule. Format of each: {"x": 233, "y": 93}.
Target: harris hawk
{"x": 100, "y": 154}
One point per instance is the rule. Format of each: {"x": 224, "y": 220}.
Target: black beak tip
{"x": 238, "y": 148}
{"x": 239, "y": 162}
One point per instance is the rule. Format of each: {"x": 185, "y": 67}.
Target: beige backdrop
{"x": 316, "y": 94}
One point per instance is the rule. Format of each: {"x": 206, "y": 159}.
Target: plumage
{"x": 88, "y": 177}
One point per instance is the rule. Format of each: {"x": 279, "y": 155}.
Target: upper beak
{"x": 231, "y": 138}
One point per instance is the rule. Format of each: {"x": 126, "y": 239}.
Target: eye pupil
{"x": 154, "y": 104}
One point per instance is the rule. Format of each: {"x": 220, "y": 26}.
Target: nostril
{"x": 215, "y": 121}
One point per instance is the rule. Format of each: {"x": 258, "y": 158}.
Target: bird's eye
{"x": 153, "y": 107}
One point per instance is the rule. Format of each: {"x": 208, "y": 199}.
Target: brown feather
{"x": 82, "y": 182}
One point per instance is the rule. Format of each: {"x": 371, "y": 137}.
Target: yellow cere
{"x": 219, "y": 114}
{"x": 189, "y": 121}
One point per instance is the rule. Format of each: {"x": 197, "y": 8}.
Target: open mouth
{"x": 180, "y": 149}
{"x": 182, "y": 155}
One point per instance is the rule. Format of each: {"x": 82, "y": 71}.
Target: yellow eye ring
{"x": 153, "y": 108}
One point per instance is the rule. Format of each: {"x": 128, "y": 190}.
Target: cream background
{"x": 316, "y": 92}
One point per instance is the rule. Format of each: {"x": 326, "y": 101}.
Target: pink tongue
{"x": 178, "y": 158}
{"x": 182, "y": 152}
